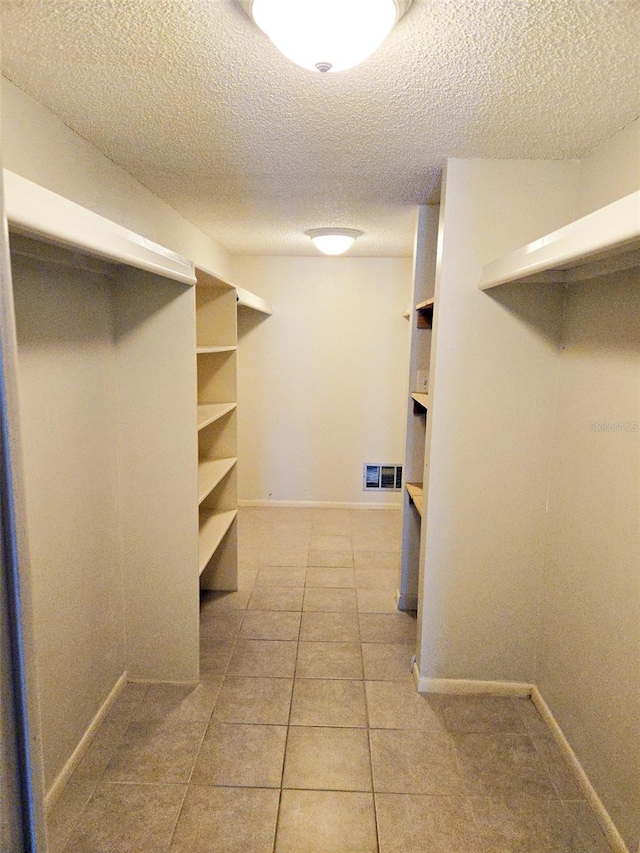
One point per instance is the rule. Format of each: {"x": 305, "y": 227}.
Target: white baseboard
{"x": 521, "y": 690}
{"x": 461, "y": 686}
{"x": 53, "y": 794}
{"x": 614, "y": 838}
{"x": 319, "y": 505}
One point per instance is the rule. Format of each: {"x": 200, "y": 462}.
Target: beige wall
{"x": 493, "y": 386}
{"x": 588, "y": 651}
{"x": 513, "y": 590}
{"x": 322, "y": 382}
{"x": 67, "y": 398}
{"x": 611, "y": 171}
{"x": 38, "y": 146}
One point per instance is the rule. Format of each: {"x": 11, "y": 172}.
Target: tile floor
{"x": 306, "y": 734}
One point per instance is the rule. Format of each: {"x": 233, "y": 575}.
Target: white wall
{"x": 40, "y": 147}
{"x": 69, "y": 434}
{"x": 322, "y": 382}
{"x": 493, "y": 386}
{"x": 588, "y": 651}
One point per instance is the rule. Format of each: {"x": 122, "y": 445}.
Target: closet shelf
{"x": 205, "y": 350}
{"x": 210, "y": 473}
{"x": 420, "y": 402}
{"x": 213, "y": 526}
{"x": 34, "y": 210}
{"x": 424, "y": 314}
{"x": 246, "y": 299}
{"x": 605, "y": 241}
{"x": 416, "y": 495}
{"x": 210, "y": 412}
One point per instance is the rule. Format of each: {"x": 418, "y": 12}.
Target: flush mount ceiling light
{"x": 333, "y": 241}
{"x": 327, "y": 35}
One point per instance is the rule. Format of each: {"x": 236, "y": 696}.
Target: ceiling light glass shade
{"x": 333, "y": 241}
{"x": 327, "y": 35}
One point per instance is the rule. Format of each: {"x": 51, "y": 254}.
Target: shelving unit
{"x": 421, "y": 318}
{"x": 216, "y": 353}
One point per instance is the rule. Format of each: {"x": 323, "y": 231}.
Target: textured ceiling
{"x": 192, "y": 99}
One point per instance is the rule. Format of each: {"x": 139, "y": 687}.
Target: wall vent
{"x": 381, "y": 476}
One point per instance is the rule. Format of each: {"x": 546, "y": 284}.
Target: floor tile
{"x": 534, "y": 723}
{"x": 276, "y": 598}
{"x": 172, "y": 702}
{"x": 326, "y": 822}
{"x": 329, "y": 600}
{"x": 377, "y": 560}
{"x": 374, "y": 542}
{"x": 562, "y": 778}
{"x": 331, "y": 559}
{"x": 329, "y": 660}
{"x": 128, "y": 819}
{"x": 332, "y": 522}
{"x": 409, "y": 823}
{"x": 398, "y": 705}
{"x": 214, "y": 657}
{"x": 330, "y": 542}
{"x": 241, "y": 755}
{"x": 414, "y": 762}
{"x": 214, "y": 601}
{"x": 496, "y": 765}
{"x": 64, "y": 816}
{"x": 264, "y": 658}
{"x": 124, "y": 708}
{"x": 295, "y": 557}
{"x": 100, "y": 752}
{"x": 318, "y": 702}
{"x": 220, "y": 625}
{"x": 156, "y": 752}
{"x": 525, "y": 825}
{"x": 330, "y": 627}
{"x": 335, "y": 578}
{"x": 376, "y": 579}
{"x": 254, "y": 700}
{"x": 227, "y": 820}
{"x": 377, "y": 601}
{"x": 483, "y": 714}
{"x": 387, "y": 661}
{"x": 329, "y": 759}
{"x": 277, "y": 576}
{"x": 270, "y": 625}
{"x": 387, "y": 628}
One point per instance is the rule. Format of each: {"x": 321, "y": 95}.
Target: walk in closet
{"x": 127, "y": 384}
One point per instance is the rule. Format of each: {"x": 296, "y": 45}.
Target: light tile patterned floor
{"x": 306, "y": 734}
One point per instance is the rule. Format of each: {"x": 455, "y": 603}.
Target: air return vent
{"x": 381, "y": 476}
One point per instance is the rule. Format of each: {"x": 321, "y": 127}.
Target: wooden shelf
{"x": 420, "y": 403}
{"x": 210, "y": 473}
{"x": 210, "y": 412}
{"x": 416, "y": 496}
{"x": 205, "y": 350}
{"x": 424, "y": 314}
{"x": 213, "y": 526}
{"x": 605, "y": 241}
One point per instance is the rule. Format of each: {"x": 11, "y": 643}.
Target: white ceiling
{"x": 194, "y": 101}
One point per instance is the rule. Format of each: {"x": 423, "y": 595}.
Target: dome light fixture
{"x": 333, "y": 241}
{"x": 327, "y": 35}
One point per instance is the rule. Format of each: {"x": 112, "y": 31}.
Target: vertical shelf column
{"x": 421, "y": 317}
{"x": 216, "y": 341}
